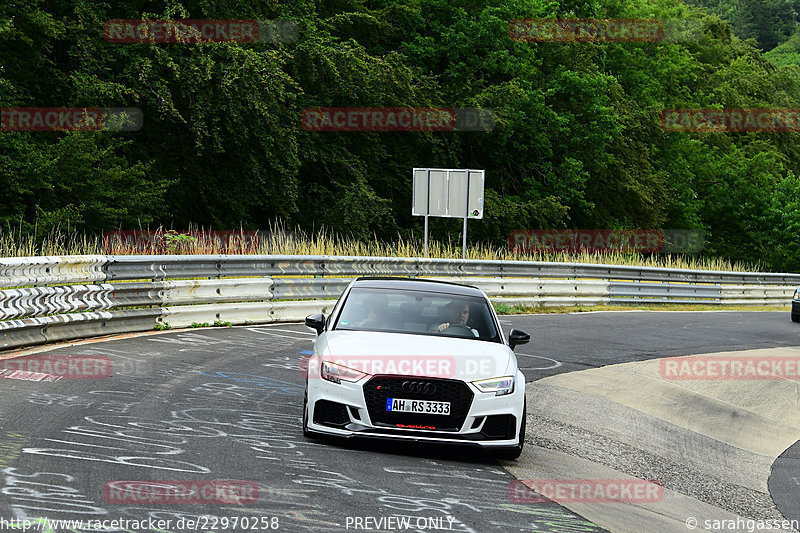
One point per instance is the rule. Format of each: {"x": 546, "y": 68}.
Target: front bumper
{"x": 488, "y": 421}
{"x": 795, "y": 308}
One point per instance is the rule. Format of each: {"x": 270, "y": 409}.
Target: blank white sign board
{"x": 447, "y": 192}
{"x": 443, "y": 192}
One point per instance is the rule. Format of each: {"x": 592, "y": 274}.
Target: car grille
{"x": 379, "y": 388}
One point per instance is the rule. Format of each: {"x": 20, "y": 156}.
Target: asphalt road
{"x": 594, "y": 339}
{"x": 225, "y": 404}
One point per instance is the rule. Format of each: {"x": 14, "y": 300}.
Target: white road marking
{"x": 293, "y": 331}
{"x": 555, "y": 365}
{"x": 255, "y": 330}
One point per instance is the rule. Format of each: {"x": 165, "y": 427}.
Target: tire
{"x": 513, "y": 453}
{"x": 306, "y": 433}
{"x": 795, "y": 318}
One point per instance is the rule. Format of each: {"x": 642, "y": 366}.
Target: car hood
{"x": 417, "y": 355}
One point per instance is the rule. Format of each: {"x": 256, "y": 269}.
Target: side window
{"x": 337, "y": 310}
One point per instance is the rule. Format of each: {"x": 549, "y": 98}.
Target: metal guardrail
{"x": 38, "y": 271}
{"x": 48, "y": 299}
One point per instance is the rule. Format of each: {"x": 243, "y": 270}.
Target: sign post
{"x": 450, "y": 193}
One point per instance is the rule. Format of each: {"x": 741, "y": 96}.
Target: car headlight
{"x": 499, "y": 386}
{"x": 796, "y": 295}
{"x": 338, "y": 373}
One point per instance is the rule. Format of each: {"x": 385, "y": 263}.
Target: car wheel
{"x": 795, "y": 318}
{"x": 516, "y": 451}
{"x": 306, "y": 433}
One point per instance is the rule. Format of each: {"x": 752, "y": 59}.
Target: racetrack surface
{"x": 225, "y": 404}
{"x": 593, "y": 339}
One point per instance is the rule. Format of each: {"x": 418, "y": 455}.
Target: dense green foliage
{"x": 577, "y": 141}
{"x": 786, "y": 53}
{"x": 769, "y": 22}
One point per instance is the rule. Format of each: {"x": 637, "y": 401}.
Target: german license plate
{"x": 423, "y": 407}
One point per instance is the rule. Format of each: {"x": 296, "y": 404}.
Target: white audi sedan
{"x": 415, "y": 360}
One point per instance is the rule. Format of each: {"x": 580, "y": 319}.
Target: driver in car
{"x": 459, "y": 316}
{"x": 376, "y": 312}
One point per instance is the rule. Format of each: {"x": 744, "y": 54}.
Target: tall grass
{"x": 14, "y": 242}
{"x": 279, "y": 241}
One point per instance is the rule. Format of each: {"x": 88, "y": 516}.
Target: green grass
{"x": 217, "y": 324}
{"x": 504, "y": 309}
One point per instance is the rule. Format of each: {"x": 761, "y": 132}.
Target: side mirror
{"x": 316, "y": 322}
{"x": 515, "y": 338}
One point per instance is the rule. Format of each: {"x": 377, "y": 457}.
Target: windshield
{"x": 418, "y": 312}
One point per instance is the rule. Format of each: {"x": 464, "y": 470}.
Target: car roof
{"x": 415, "y": 284}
